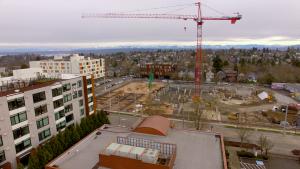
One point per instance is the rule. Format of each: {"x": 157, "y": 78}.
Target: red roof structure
{"x": 155, "y": 125}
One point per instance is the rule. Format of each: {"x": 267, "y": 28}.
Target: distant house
{"x": 209, "y": 76}
{"x": 241, "y": 77}
{"x": 160, "y": 70}
{"x": 221, "y": 76}
{"x": 231, "y": 76}
{"x": 252, "y": 77}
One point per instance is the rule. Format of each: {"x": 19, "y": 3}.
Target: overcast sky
{"x": 58, "y": 22}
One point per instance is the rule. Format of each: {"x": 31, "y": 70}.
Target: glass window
{"x": 79, "y": 83}
{"x": 69, "y": 118}
{"x": 23, "y": 145}
{"x": 20, "y": 132}
{"x": 66, "y": 87}
{"x": 67, "y": 97}
{"x": 16, "y": 103}
{"x": 90, "y": 99}
{"x": 75, "y": 95}
{"x": 1, "y": 141}
{"x": 73, "y": 85}
{"x": 58, "y": 103}
{"x": 44, "y": 134}
{"x": 89, "y": 90}
{"x": 79, "y": 93}
{"x": 91, "y": 108}
{"x": 60, "y": 125}
{"x": 56, "y": 92}
{"x": 81, "y": 112}
{"x": 40, "y": 110}
{"x": 68, "y": 108}
{"x": 2, "y": 156}
{"x": 42, "y": 122}
{"x": 59, "y": 115}
{"x": 38, "y": 97}
{"x": 89, "y": 81}
{"x": 18, "y": 118}
{"x": 80, "y": 103}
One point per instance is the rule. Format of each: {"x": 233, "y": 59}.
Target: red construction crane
{"x": 199, "y": 19}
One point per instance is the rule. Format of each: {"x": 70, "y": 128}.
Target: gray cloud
{"x": 36, "y": 21}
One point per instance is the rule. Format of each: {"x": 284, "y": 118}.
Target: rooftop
{"x": 194, "y": 148}
{"x": 17, "y": 86}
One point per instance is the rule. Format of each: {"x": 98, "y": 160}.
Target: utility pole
{"x": 285, "y": 119}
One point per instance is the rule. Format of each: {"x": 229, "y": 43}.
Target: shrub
{"x": 65, "y": 139}
{"x": 246, "y": 154}
{"x": 296, "y": 152}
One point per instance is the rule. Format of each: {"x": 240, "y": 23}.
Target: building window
{"x": 68, "y": 108}
{"x": 67, "y": 97}
{"x": 2, "y": 156}
{"x": 16, "y": 103}
{"x": 23, "y": 145}
{"x": 66, "y": 87}
{"x": 89, "y": 81}
{"x": 73, "y": 85}
{"x": 80, "y": 103}
{"x": 60, "y": 125}
{"x": 38, "y": 97}
{"x": 56, "y": 92}
{"x": 18, "y": 118}
{"x": 91, "y": 108}
{"x": 75, "y": 95}
{"x": 42, "y": 122}
{"x": 44, "y": 134}
{"x": 21, "y": 132}
{"x": 58, "y": 103}
{"x": 1, "y": 141}
{"x": 79, "y": 83}
{"x": 81, "y": 112}
{"x": 79, "y": 93}
{"x": 90, "y": 99}
{"x": 69, "y": 118}
{"x": 40, "y": 110}
{"x": 89, "y": 90}
{"x": 59, "y": 115}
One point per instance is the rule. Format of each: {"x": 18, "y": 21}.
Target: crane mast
{"x": 199, "y": 19}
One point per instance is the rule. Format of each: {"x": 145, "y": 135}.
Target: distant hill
{"x": 58, "y": 50}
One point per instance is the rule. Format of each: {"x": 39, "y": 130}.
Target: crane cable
{"x": 164, "y": 7}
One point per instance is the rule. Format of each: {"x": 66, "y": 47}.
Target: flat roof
{"x": 194, "y": 149}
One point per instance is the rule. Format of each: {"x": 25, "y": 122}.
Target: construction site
{"x": 233, "y": 104}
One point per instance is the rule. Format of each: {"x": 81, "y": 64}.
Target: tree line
{"x": 64, "y": 140}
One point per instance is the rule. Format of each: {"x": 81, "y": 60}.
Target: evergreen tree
{"x": 56, "y": 147}
{"x": 20, "y": 166}
{"x": 79, "y": 130}
{"x": 60, "y": 138}
{"x": 83, "y": 126}
{"x": 33, "y": 162}
{"x": 75, "y": 135}
{"x": 217, "y": 63}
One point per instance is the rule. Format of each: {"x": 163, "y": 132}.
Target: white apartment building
{"x": 33, "y": 114}
{"x": 76, "y": 65}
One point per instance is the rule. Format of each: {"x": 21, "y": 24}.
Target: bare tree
{"x": 243, "y": 134}
{"x": 197, "y": 114}
{"x": 265, "y": 145}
